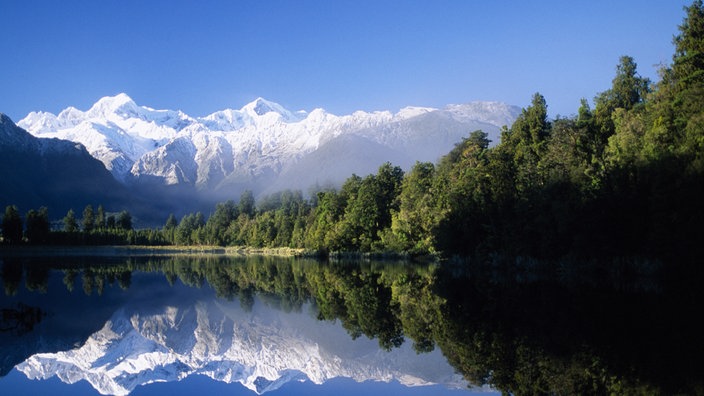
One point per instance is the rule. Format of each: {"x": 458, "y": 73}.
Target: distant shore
{"x": 48, "y": 250}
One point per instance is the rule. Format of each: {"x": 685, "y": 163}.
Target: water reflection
{"x": 521, "y": 326}
{"x": 121, "y": 325}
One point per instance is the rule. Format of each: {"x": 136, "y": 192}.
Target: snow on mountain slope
{"x": 262, "y": 349}
{"x": 261, "y": 139}
{"x": 115, "y": 130}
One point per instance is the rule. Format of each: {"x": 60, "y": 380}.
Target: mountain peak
{"x": 4, "y": 119}
{"x": 260, "y": 107}
{"x": 120, "y": 104}
{"x": 117, "y": 100}
{"x": 11, "y": 135}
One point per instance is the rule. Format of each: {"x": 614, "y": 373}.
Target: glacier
{"x": 262, "y": 144}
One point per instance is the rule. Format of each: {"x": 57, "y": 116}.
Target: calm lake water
{"x": 110, "y": 322}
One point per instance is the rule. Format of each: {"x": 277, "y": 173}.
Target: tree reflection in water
{"x": 525, "y": 327}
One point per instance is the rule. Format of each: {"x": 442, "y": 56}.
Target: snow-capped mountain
{"x": 262, "y": 142}
{"x": 115, "y": 130}
{"x": 262, "y": 349}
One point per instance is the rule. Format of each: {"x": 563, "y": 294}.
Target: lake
{"x": 112, "y": 321}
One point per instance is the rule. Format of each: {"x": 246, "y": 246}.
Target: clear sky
{"x": 341, "y": 55}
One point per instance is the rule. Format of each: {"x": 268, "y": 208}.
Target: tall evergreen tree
{"x": 246, "y": 203}
{"x": 688, "y": 65}
{"x": 100, "y": 218}
{"x": 320, "y": 234}
{"x": 415, "y": 220}
{"x": 526, "y": 141}
{"x": 479, "y": 139}
{"x": 170, "y": 227}
{"x": 110, "y": 223}
{"x": 88, "y": 220}
{"x": 38, "y": 226}
{"x": 678, "y": 122}
{"x": 627, "y": 88}
{"x": 70, "y": 222}
{"x": 388, "y": 181}
{"x": 12, "y": 225}
{"x": 124, "y": 220}
{"x": 171, "y": 222}
{"x": 184, "y": 231}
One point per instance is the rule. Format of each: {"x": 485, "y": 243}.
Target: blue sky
{"x": 204, "y": 56}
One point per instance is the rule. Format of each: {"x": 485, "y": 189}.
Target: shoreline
{"x": 137, "y": 250}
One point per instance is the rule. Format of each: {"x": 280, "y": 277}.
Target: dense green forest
{"x": 624, "y": 178}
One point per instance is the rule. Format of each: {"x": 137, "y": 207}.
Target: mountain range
{"x": 262, "y": 147}
{"x": 164, "y": 336}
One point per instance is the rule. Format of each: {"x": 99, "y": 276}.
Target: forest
{"x": 624, "y": 178}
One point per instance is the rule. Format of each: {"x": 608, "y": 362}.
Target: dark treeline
{"x": 625, "y": 178}
{"x": 533, "y": 333}
{"x": 93, "y": 228}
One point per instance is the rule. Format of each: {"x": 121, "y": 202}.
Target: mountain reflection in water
{"x": 120, "y": 322}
